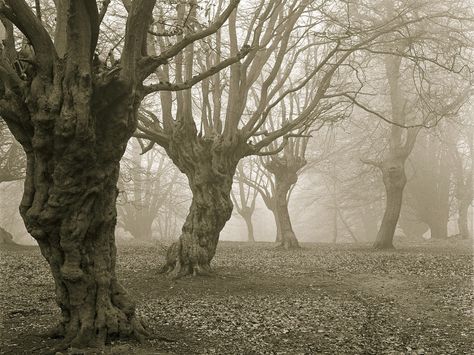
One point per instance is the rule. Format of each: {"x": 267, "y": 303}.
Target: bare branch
{"x": 149, "y": 64}
{"x": 197, "y": 78}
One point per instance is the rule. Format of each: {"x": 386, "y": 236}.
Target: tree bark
{"x": 283, "y": 183}
{"x": 278, "y": 238}
{"x": 74, "y": 140}
{"x": 249, "y": 224}
{"x": 69, "y": 208}
{"x": 394, "y": 179}
{"x": 439, "y": 226}
{"x": 285, "y": 171}
{"x": 209, "y": 164}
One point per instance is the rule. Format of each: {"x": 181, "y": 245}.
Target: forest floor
{"x": 322, "y": 299}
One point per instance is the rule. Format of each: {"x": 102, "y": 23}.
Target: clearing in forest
{"x": 328, "y": 299}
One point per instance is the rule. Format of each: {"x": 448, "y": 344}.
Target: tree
{"x": 462, "y": 153}
{"x": 285, "y": 169}
{"x": 73, "y": 113}
{"x": 260, "y": 180}
{"x": 400, "y": 58}
{"x": 11, "y": 168}
{"x": 147, "y": 186}
{"x": 247, "y": 196}
{"x": 207, "y": 140}
{"x": 428, "y": 190}
{"x": 12, "y": 159}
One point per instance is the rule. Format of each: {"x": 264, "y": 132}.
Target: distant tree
{"x": 12, "y": 167}
{"x": 246, "y": 196}
{"x": 428, "y": 189}
{"x": 147, "y": 184}
{"x": 413, "y": 103}
{"x": 12, "y": 158}
{"x": 462, "y": 154}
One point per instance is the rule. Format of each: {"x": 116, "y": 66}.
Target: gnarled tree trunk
{"x": 288, "y": 237}
{"x": 209, "y": 164}
{"x": 69, "y": 207}
{"x": 278, "y": 238}
{"x": 74, "y": 131}
{"x": 394, "y": 179}
{"x": 248, "y": 222}
{"x": 285, "y": 172}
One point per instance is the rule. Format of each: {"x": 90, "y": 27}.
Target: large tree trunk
{"x": 73, "y": 117}
{"x": 394, "y": 179}
{"x": 278, "y": 238}
{"x": 439, "y": 226}
{"x": 69, "y": 208}
{"x": 283, "y": 184}
{"x": 209, "y": 165}
{"x": 69, "y": 203}
{"x": 249, "y": 224}
{"x": 285, "y": 170}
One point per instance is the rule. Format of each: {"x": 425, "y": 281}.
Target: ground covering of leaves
{"x": 322, "y": 299}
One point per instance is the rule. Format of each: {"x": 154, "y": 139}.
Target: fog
{"x": 228, "y": 177}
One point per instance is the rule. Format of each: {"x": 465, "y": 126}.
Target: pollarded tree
{"x": 73, "y": 114}
{"x": 206, "y": 138}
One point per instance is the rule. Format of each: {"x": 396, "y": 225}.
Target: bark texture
{"x": 209, "y": 164}
{"x": 278, "y": 238}
{"x": 394, "y": 179}
{"x": 285, "y": 171}
{"x": 73, "y": 119}
{"x": 247, "y": 216}
{"x": 69, "y": 208}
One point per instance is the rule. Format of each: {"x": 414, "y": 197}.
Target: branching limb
{"x": 149, "y": 64}
{"x": 103, "y": 10}
{"x": 137, "y": 28}
{"x": 197, "y": 78}
{"x": 282, "y": 145}
{"x": 20, "y": 14}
